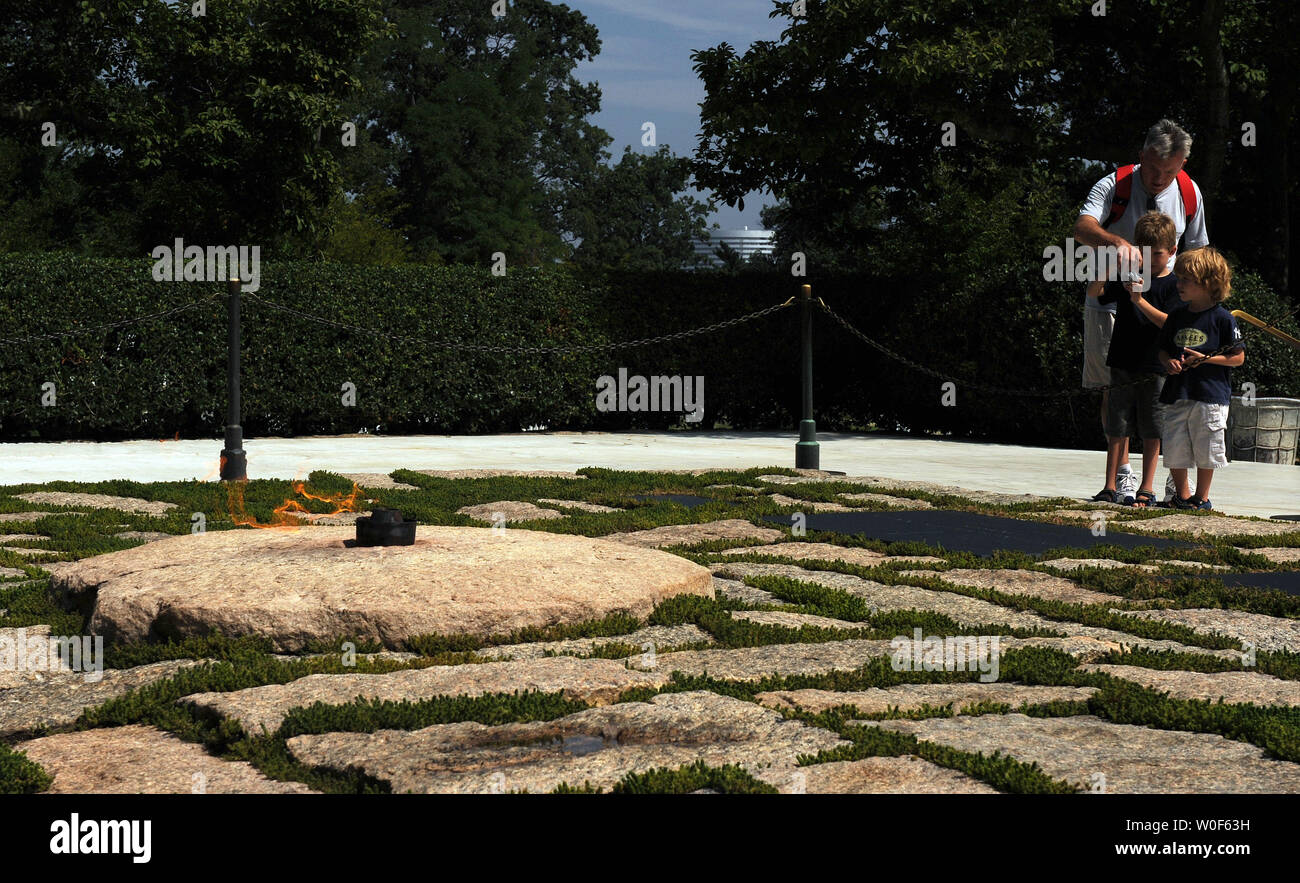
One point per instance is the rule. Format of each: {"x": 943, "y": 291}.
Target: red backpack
{"x": 1124, "y": 190}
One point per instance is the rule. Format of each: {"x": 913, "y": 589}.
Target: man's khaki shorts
{"x": 1097, "y": 328}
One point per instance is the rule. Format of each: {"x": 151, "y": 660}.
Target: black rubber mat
{"x": 971, "y": 532}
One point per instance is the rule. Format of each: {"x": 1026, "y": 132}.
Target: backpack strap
{"x": 1188, "y": 192}
{"x": 1123, "y": 191}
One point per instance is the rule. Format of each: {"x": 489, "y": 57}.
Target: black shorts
{"x": 1133, "y": 406}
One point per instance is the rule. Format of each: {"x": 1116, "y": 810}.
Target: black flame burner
{"x": 385, "y": 527}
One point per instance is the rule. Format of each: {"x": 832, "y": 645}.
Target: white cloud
{"x": 636, "y": 55}
{"x": 726, "y": 18}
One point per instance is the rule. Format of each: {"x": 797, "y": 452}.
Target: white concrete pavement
{"x": 1242, "y": 489}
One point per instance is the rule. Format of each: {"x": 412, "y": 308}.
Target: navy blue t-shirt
{"x": 1205, "y": 332}
{"x": 1133, "y": 343}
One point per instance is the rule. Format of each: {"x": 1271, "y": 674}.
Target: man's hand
{"x": 1172, "y": 366}
{"x": 1129, "y": 256}
{"x": 1191, "y": 358}
{"x": 1089, "y": 232}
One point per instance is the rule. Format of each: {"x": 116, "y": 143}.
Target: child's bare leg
{"x": 1180, "y": 483}
{"x": 1150, "y": 462}
{"x": 1114, "y": 448}
{"x": 1203, "y": 479}
{"x": 1111, "y": 468}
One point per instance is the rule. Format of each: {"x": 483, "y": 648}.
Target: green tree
{"x": 844, "y": 120}
{"x": 1261, "y": 47}
{"x": 206, "y": 127}
{"x": 363, "y": 232}
{"x": 634, "y": 217}
{"x": 484, "y": 125}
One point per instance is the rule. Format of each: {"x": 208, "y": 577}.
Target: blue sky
{"x": 644, "y": 72}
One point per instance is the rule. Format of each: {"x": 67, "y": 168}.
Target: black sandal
{"x": 1144, "y": 500}
{"x": 1106, "y": 496}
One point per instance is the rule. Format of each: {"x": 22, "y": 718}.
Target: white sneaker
{"x": 1171, "y": 489}
{"x": 1126, "y": 485}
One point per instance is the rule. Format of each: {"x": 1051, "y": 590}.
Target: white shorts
{"x": 1097, "y": 328}
{"x": 1193, "y": 435}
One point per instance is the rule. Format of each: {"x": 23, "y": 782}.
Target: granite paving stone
{"x": 910, "y": 697}
{"x": 1238, "y": 687}
{"x": 1212, "y": 526}
{"x": 139, "y": 759}
{"x": 1024, "y": 582}
{"x": 1281, "y": 555}
{"x": 657, "y": 636}
{"x": 508, "y": 511}
{"x": 799, "y": 551}
{"x": 595, "y": 681}
{"x": 596, "y": 747}
{"x": 57, "y": 698}
{"x": 796, "y": 620}
{"x": 1265, "y": 632}
{"x": 680, "y": 534}
{"x": 907, "y": 774}
{"x": 98, "y": 501}
{"x": 1132, "y": 759}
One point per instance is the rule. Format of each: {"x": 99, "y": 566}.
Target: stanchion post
{"x": 807, "y": 453}
{"x": 234, "y": 463}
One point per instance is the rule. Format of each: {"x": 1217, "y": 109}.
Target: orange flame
{"x": 287, "y": 513}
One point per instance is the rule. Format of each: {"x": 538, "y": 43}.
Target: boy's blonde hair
{"x": 1206, "y": 266}
{"x": 1157, "y": 230}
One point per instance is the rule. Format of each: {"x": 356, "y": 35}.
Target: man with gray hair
{"x": 1108, "y": 218}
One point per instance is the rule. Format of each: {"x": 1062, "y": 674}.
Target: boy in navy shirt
{"x": 1133, "y": 406}
{"x": 1199, "y": 389}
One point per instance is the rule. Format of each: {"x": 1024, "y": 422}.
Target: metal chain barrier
{"x": 617, "y": 345}
{"x": 108, "y": 326}
{"x": 1008, "y": 391}
{"x": 500, "y": 348}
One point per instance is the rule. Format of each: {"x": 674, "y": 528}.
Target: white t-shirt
{"x": 1169, "y": 201}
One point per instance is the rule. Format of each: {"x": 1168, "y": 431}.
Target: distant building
{"x": 744, "y": 240}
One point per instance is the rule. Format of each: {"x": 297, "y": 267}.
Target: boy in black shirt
{"x": 1199, "y": 388}
{"x": 1133, "y": 403}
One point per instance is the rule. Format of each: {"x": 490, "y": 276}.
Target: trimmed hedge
{"x": 160, "y": 377}
{"x": 166, "y": 376}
